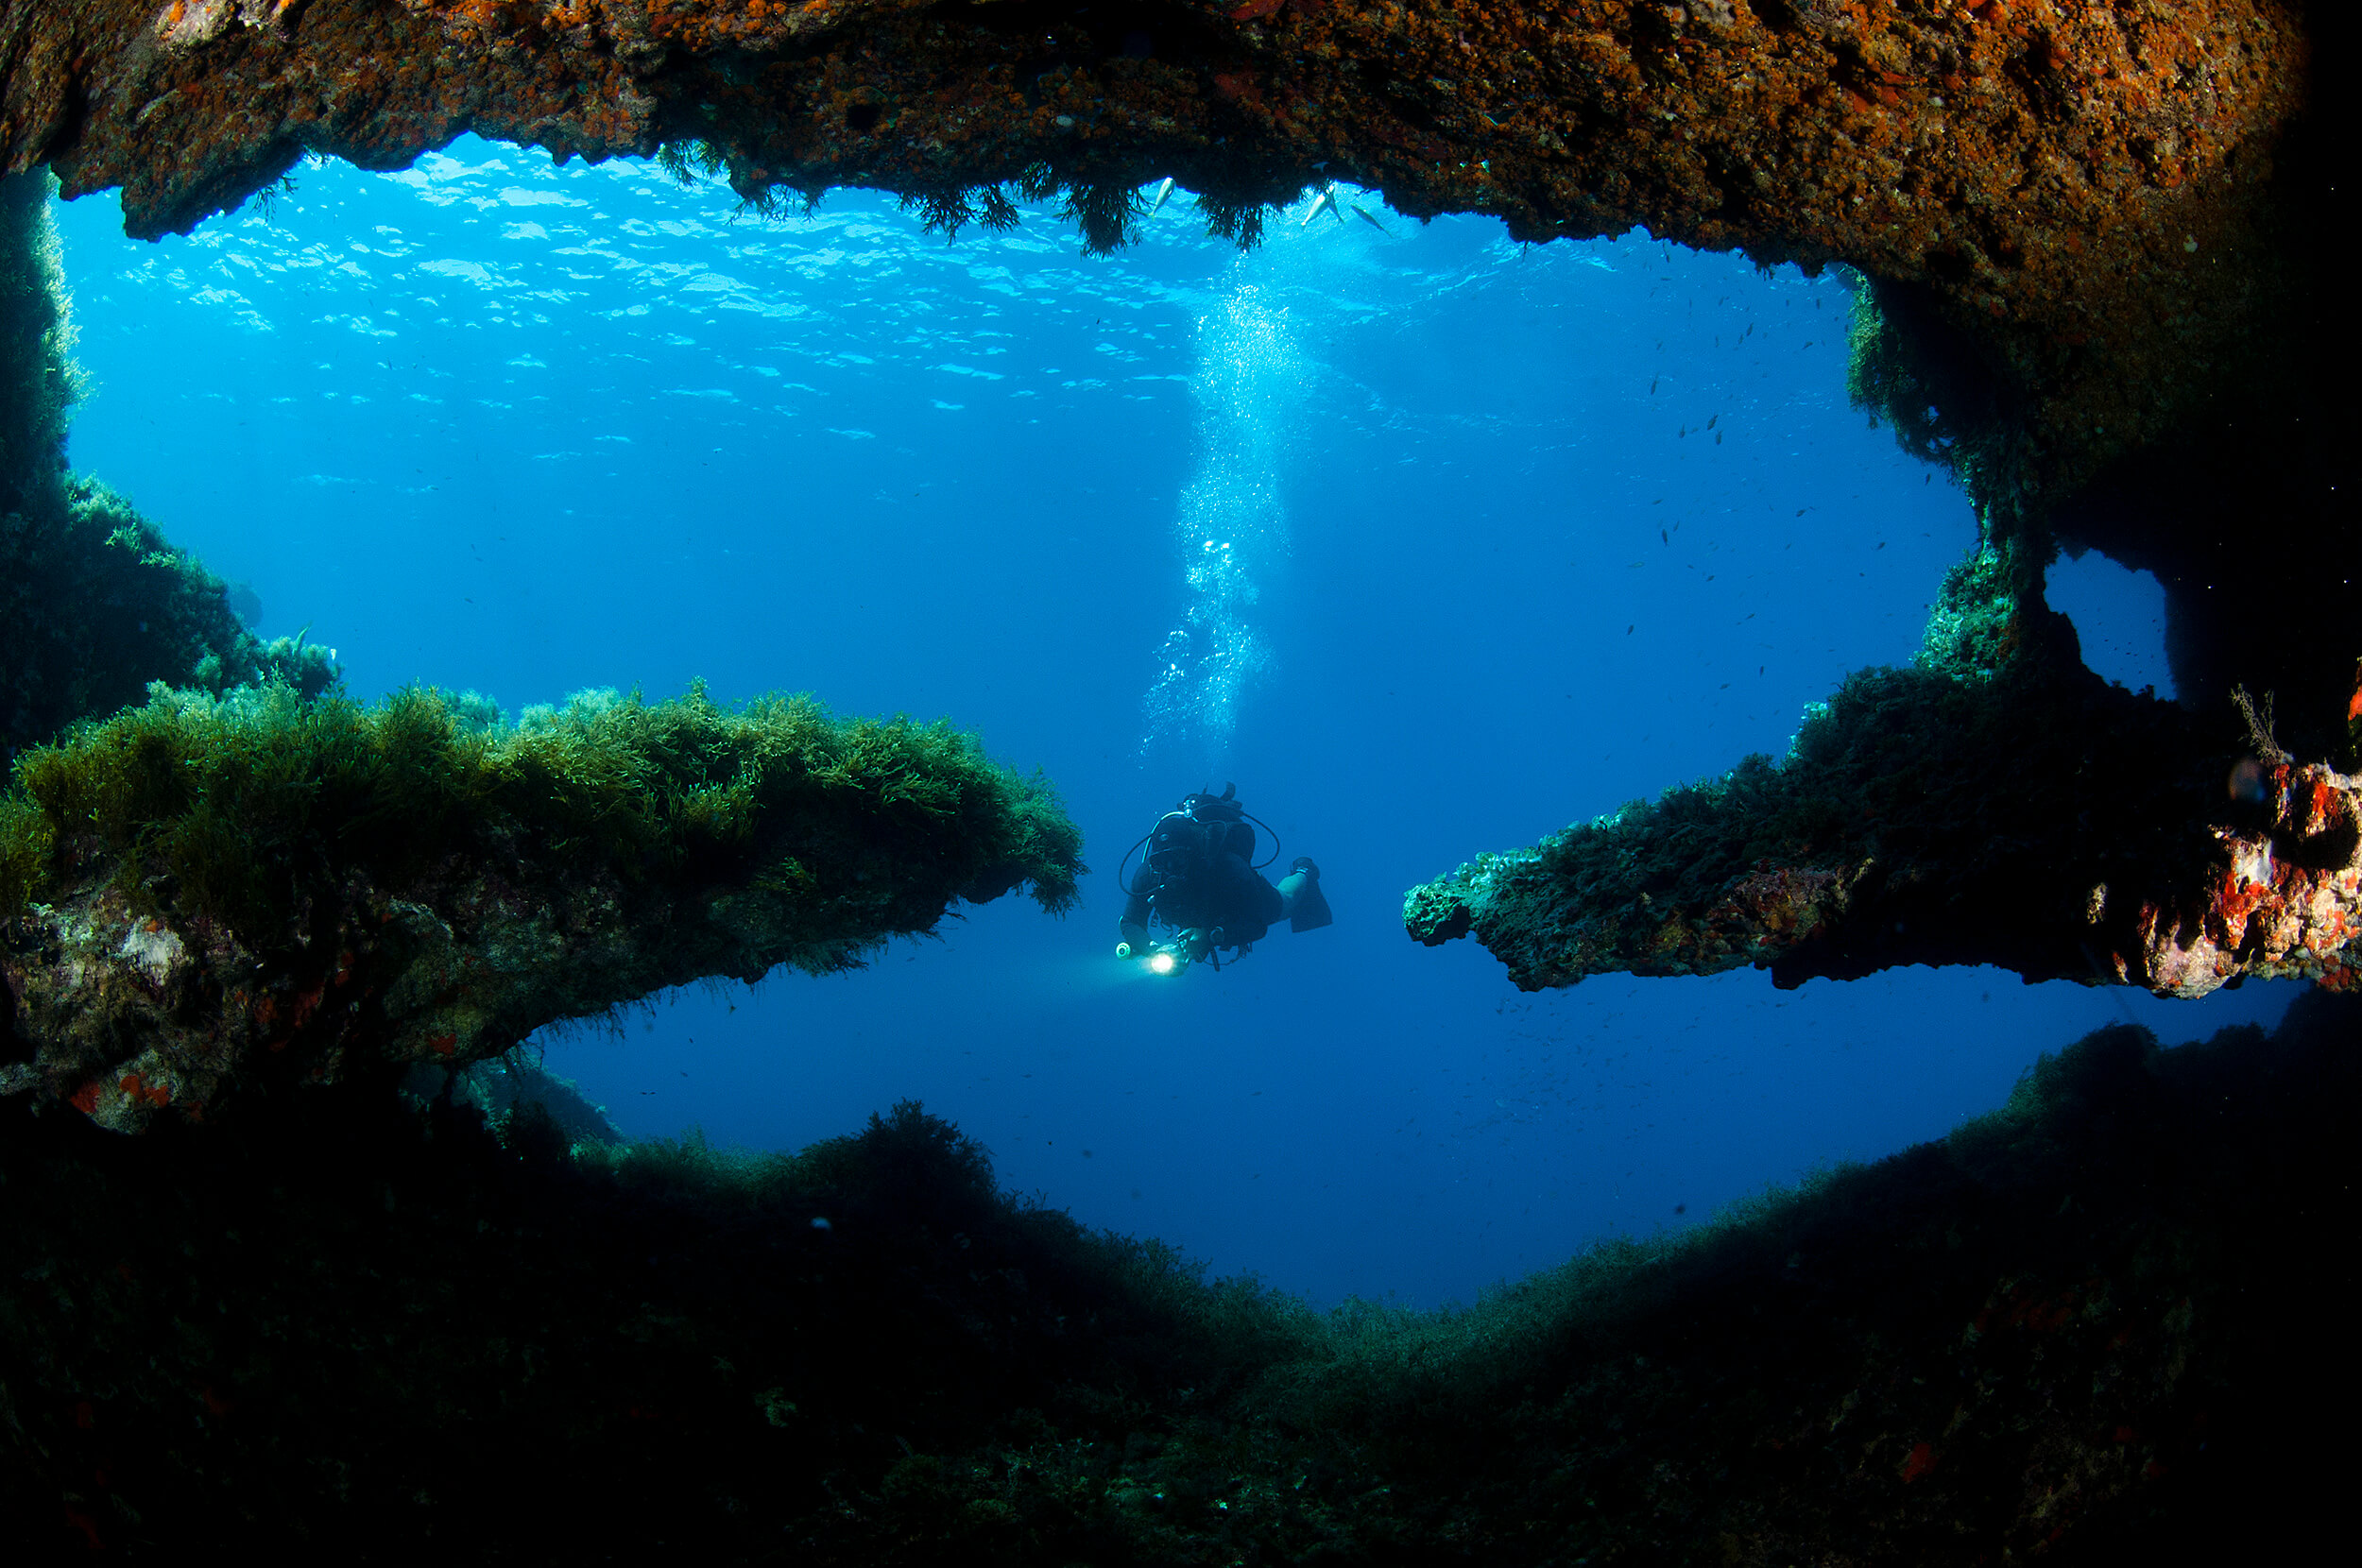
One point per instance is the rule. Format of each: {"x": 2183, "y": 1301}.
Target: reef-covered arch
{"x": 2089, "y": 1326}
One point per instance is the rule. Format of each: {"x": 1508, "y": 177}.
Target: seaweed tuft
{"x": 249, "y": 805}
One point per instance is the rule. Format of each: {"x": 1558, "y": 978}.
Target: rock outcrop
{"x": 1997, "y": 803}
{"x": 2064, "y": 828}
{"x": 2082, "y": 189}
{"x": 203, "y": 897}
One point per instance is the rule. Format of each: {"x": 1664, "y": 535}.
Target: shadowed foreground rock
{"x": 2108, "y": 1323}
{"x": 199, "y": 897}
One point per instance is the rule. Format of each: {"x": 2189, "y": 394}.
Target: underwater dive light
{"x": 1160, "y": 962}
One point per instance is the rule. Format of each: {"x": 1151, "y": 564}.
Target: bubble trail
{"x": 1230, "y": 524}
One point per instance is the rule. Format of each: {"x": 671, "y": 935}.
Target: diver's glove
{"x": 1303, "y": 863}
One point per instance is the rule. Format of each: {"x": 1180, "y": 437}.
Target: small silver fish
{"x": 1324, "y": 202}
{"x": 1158, "y": 200}
{"x": 1363, "y": 214}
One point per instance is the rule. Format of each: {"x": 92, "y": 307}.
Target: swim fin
{"x": 1309, "y": 911}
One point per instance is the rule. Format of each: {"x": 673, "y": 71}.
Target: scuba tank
{"x": 1189, "y": 835}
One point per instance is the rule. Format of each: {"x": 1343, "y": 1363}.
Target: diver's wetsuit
{"x": 1214, "y": 886}
{"x": 1200, "y": 875}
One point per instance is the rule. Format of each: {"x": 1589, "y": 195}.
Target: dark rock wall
{"x": 2106, "y": 1324}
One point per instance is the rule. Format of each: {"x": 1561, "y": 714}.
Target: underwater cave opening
{"x": 1564, "y": 525}
{"x": 2120, "y": 616}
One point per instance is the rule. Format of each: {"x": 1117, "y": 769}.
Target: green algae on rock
{"x": 204, "y": 892}
{"x": 1995, "y": 804}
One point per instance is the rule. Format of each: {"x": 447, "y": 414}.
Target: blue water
{"x": 1420, "y": 536}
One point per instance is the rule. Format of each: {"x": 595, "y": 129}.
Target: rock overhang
{"x": 2079, "y": 172}
{"x": 2081, "y": 191}
{"x": 2078, "y": 212}
{"x": 202, "y": 898}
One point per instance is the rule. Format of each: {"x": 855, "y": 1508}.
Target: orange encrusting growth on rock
{"x": 136, "y": 1087}
{"x": 2295, "y": 919}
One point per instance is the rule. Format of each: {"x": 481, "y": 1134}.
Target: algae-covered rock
{"x": 2035, "y": 818}
{"x": 1994, "y": 803}
{"x": 204, "y": 892}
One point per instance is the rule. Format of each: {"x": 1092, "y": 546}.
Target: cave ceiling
{"x": 2073, "y": 185}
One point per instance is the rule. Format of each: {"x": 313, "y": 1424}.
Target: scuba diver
{"x": 1199, "y": 877}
